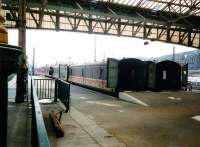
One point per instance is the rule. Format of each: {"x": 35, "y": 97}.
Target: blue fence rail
{"x": 39, "y": 137}
{"x": 62, "y": 92}
{"x": 45, "y": 88}
{"x": 53, "y": 88}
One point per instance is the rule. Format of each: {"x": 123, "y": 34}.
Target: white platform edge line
{"x": 197, "y": 117}
{"x": 127, "y": 97}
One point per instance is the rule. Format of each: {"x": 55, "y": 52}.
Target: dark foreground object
{"x": 56, "y": 121}
{"x": 8, "y": 65}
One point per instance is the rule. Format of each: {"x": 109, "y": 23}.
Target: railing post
{"x": 68, "y": 99}
{"x": 59, "y": 66}
{"x": 56, "y": 90}
{"x": 22, "y": 81}
{"x": 33, "y": 125}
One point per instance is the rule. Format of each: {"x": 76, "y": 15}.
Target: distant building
{"x": 191, "y": 57}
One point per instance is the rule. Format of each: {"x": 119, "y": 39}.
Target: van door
{"x": 185, "y": 75}
{"x": 112, "y": 73}
{"x": 151, "y": 75}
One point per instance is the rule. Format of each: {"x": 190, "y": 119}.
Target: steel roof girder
{"x": 139, "y": 18}
{"x": 151, "y": 16}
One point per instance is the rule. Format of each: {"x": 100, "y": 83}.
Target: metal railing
{"x": 62, "y": 92}
{"x": 45, "y": 88}
{"x": 39, "y": 137}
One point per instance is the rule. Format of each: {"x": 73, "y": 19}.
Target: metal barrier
{"x": 53, "y": 88}
{"x": 39, "y": 137}
{"x": 45, "y": 88}
{"x": 63, "y": 93}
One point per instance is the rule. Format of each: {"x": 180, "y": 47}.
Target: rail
{"x": 53, "y": 88}
{"x": 62, "y": 92}
{"x": 39, "y": 137}
{"x": 45, "y": 88}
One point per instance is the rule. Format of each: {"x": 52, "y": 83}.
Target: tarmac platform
{"x": 163, "y": 98}
{"x": 169, "y": 119}
{"x": 19, "y": 119}
{"x": 80, "y": 131}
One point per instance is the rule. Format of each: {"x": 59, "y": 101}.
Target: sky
{"x": 53, "y": 47}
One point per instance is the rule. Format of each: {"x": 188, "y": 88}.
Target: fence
{"x": 53, "y": 88}
{"x": 45, "y": 88}
{"x": 63, "y": 93}
{"x": 39, "y": 137}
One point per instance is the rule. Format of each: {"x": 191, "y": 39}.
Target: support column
{"x": 21, "y": 74}
{"x": 144, "y": 31}
{"x": 119, "y": 27}
{"x": 0, "y": 5}
{"x": 57, "y": 20}
{"x": 3, "y": 30}
{"x": 3, "y": 89}
{"x": 168, "y": 32}
{"x": 22, "y": 24}
{"x": 90, "y": 29}
{"x": 3, "y": 109}
{"x": 189, "y": 39}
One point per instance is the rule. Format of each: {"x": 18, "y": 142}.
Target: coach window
{"x": 164, "y": 74}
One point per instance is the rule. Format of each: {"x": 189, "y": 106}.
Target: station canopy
{"x": 174, "y": 21}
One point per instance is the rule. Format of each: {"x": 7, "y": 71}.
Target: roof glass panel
{"x": 177, "y": 6}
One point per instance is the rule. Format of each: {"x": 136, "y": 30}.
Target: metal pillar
{"x": 22, "y": 24}
{"x": 95, "y": 49}
{"x": 0, "y": 5}
{"x": 3, "y": 104}
{"x": 33, "y": 64}
{"x": 57, "y": 24}
{"x": 59, "y": 66}
{"x": 3, "y": 109}
{"x": 173, "y": 55}
{"x": 21, "y": 74}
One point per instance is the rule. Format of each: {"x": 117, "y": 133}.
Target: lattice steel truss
{"x": 175, "y": 21}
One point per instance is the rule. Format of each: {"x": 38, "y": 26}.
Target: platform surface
{"x": 166, "y": 122}
{"x": 98, "y": 120}
{"x": 19, "y": 119}
{"x": 164, "y": 98}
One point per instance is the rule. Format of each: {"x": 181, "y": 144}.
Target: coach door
{"x": 185, "y": 75}
{"x": 112, "y": 73}
{"x": 151, "y": 75}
